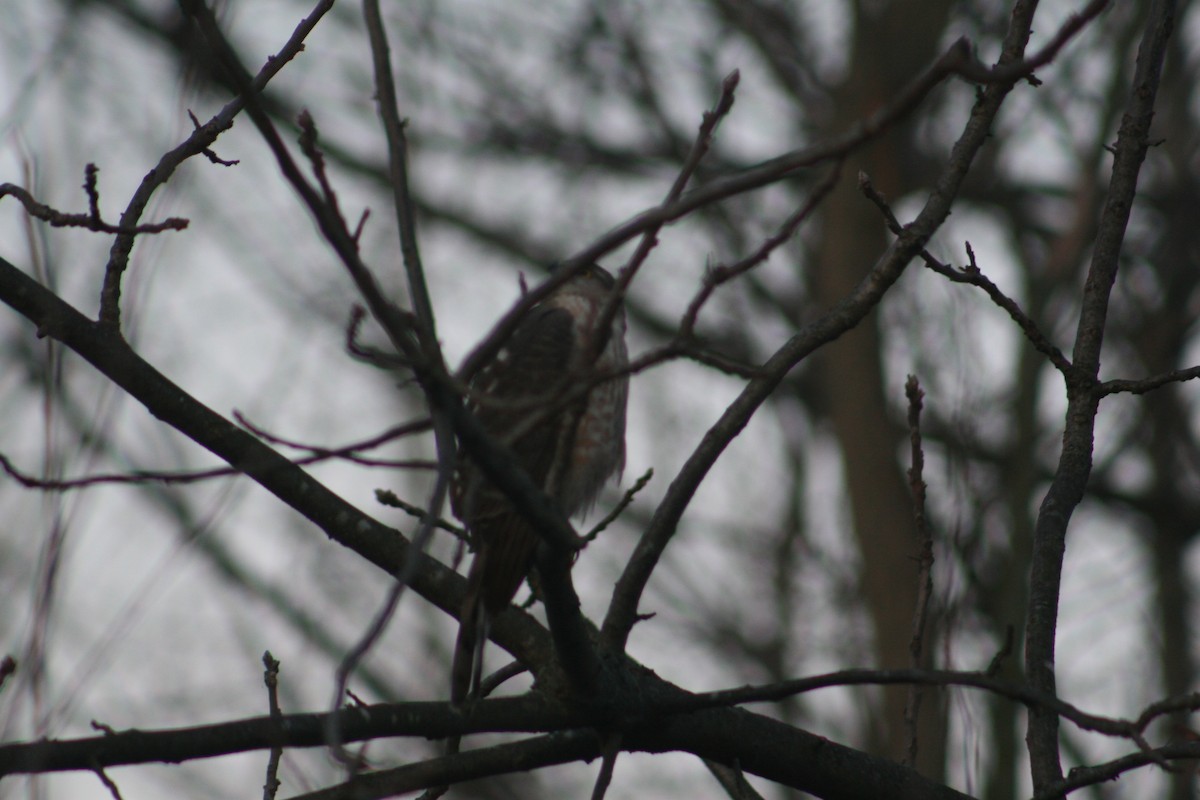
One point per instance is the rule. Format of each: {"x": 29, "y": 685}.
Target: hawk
{"x": 569, "y": 449}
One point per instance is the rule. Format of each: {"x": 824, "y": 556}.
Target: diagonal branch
{"x": 393, "y": 126}
{"x": 623, "y": 610}
{"x": 402, "y": 327}
{"x": 384, "y": 547}
{"x": 622, "y": 613}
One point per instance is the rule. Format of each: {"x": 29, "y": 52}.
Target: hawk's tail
{"x": 472, "y": 635}
{"x": 505, "y": 555}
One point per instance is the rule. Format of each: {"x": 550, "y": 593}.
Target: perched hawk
{"x": 568, "y": 449}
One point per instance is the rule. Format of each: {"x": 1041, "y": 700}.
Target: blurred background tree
{"x": 534, "y": 129}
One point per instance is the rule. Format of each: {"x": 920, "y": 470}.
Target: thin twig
{"x": 108, "y": 782}
{"x": 207, "y": 152}
{"x": 1080, "y": 777}
{"x": 88, "y": 220}
{"x": 422, "y": 324}
{"x": 271, "y": 679}
{"x": 972, "y": 275}
{"x": 611, "y": 516}
{"x": 390, "y": 498}
{"x": 1145, "y": 385}
{"x": 916, "y": 485}
{"x": 608, "y": 762}
{"x": 722, "y": 274}
{"x": 308, "y": 146}
{"x": 350, "y": 452}
{"x": 700, "y": 147}
{"x": 733, "y": 781}
{"x": 382, "y": 359}
{"x": 200, "y": 141}
{"x": 169, "y": 477}
{"x": 506, "y": 673}
{"x": 1031, "y": 698}
{"x": 1023, "y": 68}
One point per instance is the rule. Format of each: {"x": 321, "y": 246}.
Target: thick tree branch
{"x": 383, "y": 546}
{"x": 528, "y": 713}
{"x": 402, "y": 327}
{"x": 646, "y": 710}
{"x": 757, "y": 744}
{"x": 652, "y": 716}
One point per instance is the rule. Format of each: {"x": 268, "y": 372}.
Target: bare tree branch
{"x": 772, "y": 171}
{"x": 1075, "y": 462}
{"x": 1118, "y": 385}
{"x": 1081, "y": 777}
{"x": 380, "y": 545}
{"x": 760, "y": 745}
{"x": 271, "y": 679}
{"x": 199, "y": 142}
{"x": 89, "y": 220}
{"x": 532, "y": 753}
{"x": 916, "y": 483}
{"x": 347, "y": 452}
{"x": 590, "y": 699}
{"x": 622, "y": 612}
{"x": 971, "y": 274}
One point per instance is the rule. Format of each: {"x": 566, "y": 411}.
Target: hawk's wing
{"x": 505, "y": 393}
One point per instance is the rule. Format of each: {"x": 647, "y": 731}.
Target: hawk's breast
{"x": 598, "y": 448}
